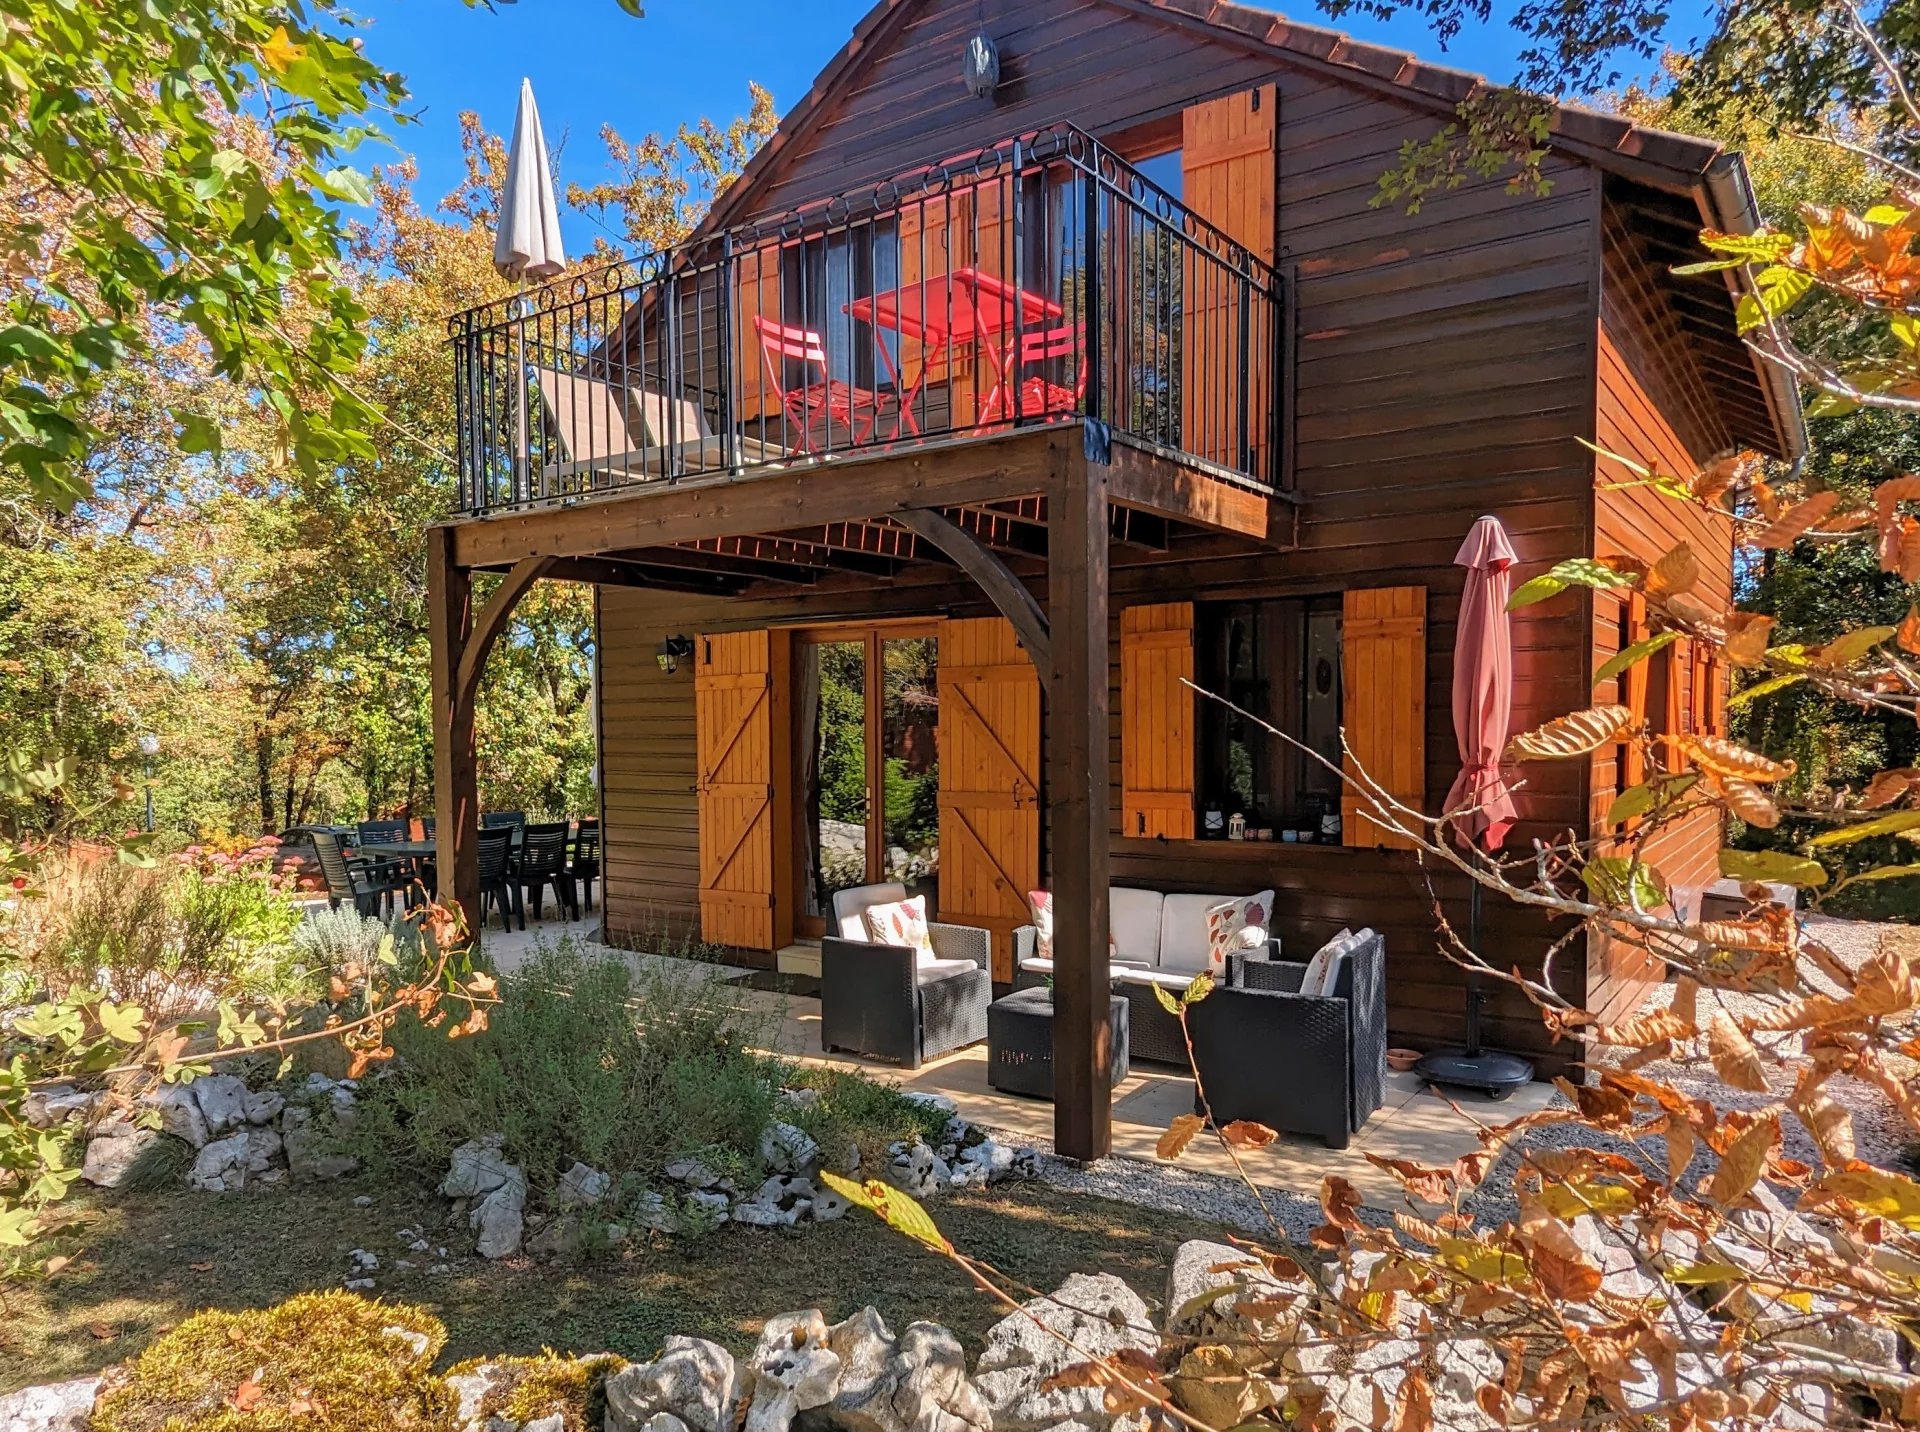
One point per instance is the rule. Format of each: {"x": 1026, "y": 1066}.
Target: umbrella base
{"x": 1495, "y": 1074}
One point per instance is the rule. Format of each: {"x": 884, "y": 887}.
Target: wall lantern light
{"x": 673, "y": 651}
{"x": 980, "y": 66}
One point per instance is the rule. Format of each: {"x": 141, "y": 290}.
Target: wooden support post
{"x": 456, "y": 782}
{"x": 1077, "y": 798}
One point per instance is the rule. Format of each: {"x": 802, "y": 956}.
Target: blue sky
{"x": 591, "y": 64}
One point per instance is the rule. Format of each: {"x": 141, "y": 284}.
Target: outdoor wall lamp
{"x": 672, "y": 652}
{"x": 980, "y": 66}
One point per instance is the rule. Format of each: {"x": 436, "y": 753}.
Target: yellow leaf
{"x": 1481, "y": 1263}
{"x": 1571, "y": 735}
{"x": 1734, "y": 1057}
{"x": 1706, "y": 1274}
{"x": 1876, "y": 1193}
{"x": 896, "y": 1209}
{"x": 1569, "y": 1200}
{"x": 1179, "y": 1134}
{"x": 1747, "y": 634}
{"x": 280, "y": 54}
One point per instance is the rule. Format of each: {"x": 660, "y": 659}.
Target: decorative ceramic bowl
{"x": 1401, "y": 1060}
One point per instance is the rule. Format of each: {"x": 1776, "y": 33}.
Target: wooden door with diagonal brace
{"x": 737, "y": 693}
{"x": 989, "y": 781}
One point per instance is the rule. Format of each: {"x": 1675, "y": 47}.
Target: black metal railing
{"x": 1038, "y": 280}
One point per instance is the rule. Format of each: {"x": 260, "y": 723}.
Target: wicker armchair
{"x": 1302, "y": 1064}
{"x": 877, "y": 1000}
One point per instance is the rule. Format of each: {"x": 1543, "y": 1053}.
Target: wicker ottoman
{"x": 1020, "y": 1042}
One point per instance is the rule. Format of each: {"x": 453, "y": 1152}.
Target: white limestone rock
{"x": 1096, "y": 1312}
{"x": 223, "y": 1102}
{"x": 692, "y": 1380}
{"x": 791, "y": 1370}
{"x": 789, "y": 1150}
{"x": 179, "y": 1113}
{"x": 54, "y": 1407}
{"x": 1205, "y": 1284}
{"x": 498, "y": 1219}
{"x": 477, "y": 1168}
{"x": 114, "y": 1152}
{"x": 580, "y": 1187}
{"x": 917, "y": 1383}
{"x": 221, "y": 1165}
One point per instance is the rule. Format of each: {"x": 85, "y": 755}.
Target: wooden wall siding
{"x": 1157, "y": 720}
{"x": 741, "y": 694}
{"x": 1227, "y": 166}
{"x": 990, "y": 774}
{"x": 1654, "y": 407}
{"x": 1060, "y": 60}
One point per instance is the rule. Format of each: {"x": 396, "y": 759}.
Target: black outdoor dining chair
{"x": 496, "y": 878}
{"x": 381, "y": 832}
{"x": 426, "y": 827}
{"x": 543, "y": 862}
{"x": 370, "y": 885}
{"x": 586, "y": 862}
{"x": 494, "y": 818}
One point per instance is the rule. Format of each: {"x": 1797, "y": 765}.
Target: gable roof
{"x": 1698, "y": 169}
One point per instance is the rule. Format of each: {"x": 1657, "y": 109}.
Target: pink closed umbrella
{"x": 1483, "y": 685}
{"x": 1482, "y": 706}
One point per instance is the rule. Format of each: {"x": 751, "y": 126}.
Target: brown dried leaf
{"x": 1677, "y": 571}
{"x": 1797, "y": 521}
{"x": 1647, "y": 1028}
{"x": 1885, "y": 984}
{"x": 1178, "y": 1135}
{"x": 1831, "y": 1125}
{"x": 1909, "y": 634}
{"x": 1887, "y": 787}
{"x": 1575, "y": 734}
{"x": 1734, "y": 1057}
{"x": 1725, "y": 758}
{"x": 1340, "y": 1201}
{"x": 1749, "y": 802}
{"x": 1681, "y": 1145}
{"x": 1747, "y": 637}
{"x": 1413, "y": 1407}
{"x": 1246, "y": 1134}
{"x": 1557, "y": 1261}
{"x": 1429, "y": 1185}
{"x": 1744, "y": 1161}
{"x": 1686, "y": 999}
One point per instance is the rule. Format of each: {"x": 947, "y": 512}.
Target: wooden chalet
{"x": 1052, "y": 356}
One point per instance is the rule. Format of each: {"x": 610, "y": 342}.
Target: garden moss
{"x": 525, "y": 1389}
{"x": 319, "y": 1362}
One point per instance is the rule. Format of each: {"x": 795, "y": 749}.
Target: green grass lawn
{"x": 142, "y": 1262}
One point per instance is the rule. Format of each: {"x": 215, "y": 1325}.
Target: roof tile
{"x": 1373, "y": 59}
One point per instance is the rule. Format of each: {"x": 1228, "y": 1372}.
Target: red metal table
{"x": 948, "y": 310}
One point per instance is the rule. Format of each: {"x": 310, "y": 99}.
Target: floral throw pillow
{"x": 902, "y": 923}
{"x": 1237, "y": 926}
{"x": 1040, "y": 902}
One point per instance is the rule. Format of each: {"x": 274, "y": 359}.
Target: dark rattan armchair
{"x": 878, "y": 1000}
{"x": 1302, "y": 1064}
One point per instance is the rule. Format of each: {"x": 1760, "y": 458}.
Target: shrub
{"x": 853, "y": 1109}
{"x": 584, "y": 1059}
{"x": 319, "y": 1362}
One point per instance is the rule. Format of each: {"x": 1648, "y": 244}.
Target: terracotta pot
{"x": 1401, "y": 1060}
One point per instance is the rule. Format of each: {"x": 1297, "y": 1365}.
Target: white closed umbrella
{"x": 527, "y": 245}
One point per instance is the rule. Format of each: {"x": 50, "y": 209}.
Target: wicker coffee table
{"x": 1020, "y": 1042}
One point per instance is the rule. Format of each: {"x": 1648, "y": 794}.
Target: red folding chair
{"x": 1041, "y": 397}
{"x": 858, "y": 410}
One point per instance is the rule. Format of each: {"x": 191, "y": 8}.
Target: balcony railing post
{"x": 1243, "y": 361}
{"x": 1279, "y": 383}
{"x": 1091, "y": 286}
{"x": 1015, "y": 197}
{"x": 729, "y": 436}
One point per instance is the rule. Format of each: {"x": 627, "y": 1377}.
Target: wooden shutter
{"x": 1633, "y": 690}
{"x": 989, "y": 740}
{"x": 1228, "y": 167}
{"x": 739, "y": 694}
{"x": 1156, "y": 721}
{"x": 1383, "y": 650}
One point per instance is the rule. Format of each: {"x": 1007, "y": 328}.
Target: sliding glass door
{"x": 866, "y": 713}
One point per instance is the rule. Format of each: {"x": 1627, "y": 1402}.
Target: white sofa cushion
{"x": 1135, "y": 919}
{"x": 850, "y": 905}
{"x": 1166, "y": 979}
{"x": 1183, "y": 932}
{"x": 1323, "y": 969}
{"x": 1038, "y": 966}
{"x": 927, "y": 971}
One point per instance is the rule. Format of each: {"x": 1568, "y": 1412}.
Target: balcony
{"x": 1036, "y": 281}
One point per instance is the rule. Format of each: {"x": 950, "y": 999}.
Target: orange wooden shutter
{"x": 1227, "y": 169}
{"x": 1156, "y": 721}
{"x": 1383, "y": 648}
{"x": 1679, "y": 659}
{"x": 1633, "y": 690}
{"x": 989, "y": 739}
{"x": 739, "y": 692}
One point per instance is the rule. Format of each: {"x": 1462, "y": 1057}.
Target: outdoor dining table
{"x": 946, "y": 311}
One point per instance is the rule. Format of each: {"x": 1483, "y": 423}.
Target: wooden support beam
{"x": 801, "y": 495}
{"x": 1142, "y": 478}
{"x": 1076, "y": 795}
{"x": 456, "y": 781}
{"x": 1008, "y": 593}
{"x": 612, "y": 572}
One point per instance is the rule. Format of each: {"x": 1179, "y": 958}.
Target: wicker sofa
{"x": 1302, "y": 1064}
{"x": 888, "y": 1002}
{"x": 1158, "y": 940}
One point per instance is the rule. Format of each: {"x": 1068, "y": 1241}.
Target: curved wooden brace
{"x": 1007, "y": 592}
{"x": 489, "y": 622}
